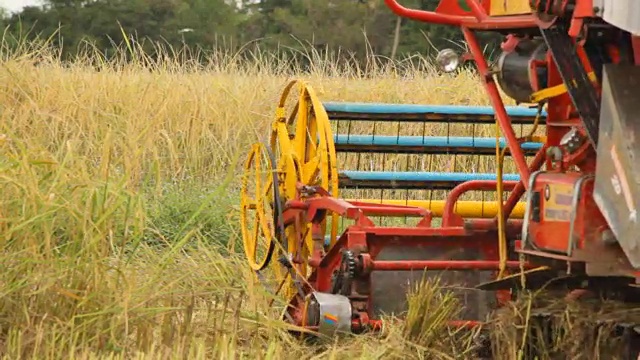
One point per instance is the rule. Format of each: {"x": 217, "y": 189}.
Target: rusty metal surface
{"x": 617, "y": 184}
{"x": 390, "y": 288}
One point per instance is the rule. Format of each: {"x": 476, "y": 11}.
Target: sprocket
{"x": 345, "y": 274}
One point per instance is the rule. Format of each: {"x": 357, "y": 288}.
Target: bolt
{"x": 554, "y": 153}
{"x": 607, "y": 237}
{"x": 572, "y": 140}
{"x": 596, "y": 9}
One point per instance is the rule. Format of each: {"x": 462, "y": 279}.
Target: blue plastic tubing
{"x": 426, "y": 141}
{"x": 376, "y": 108}
{"x": 416, "y": 176}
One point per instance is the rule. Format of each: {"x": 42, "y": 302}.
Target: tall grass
{"x": 119, "y": 182}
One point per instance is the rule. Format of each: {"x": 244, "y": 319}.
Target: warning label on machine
{"x": 557, "y": 205}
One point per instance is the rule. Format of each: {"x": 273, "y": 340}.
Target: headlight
{"x": 448, "y": 60}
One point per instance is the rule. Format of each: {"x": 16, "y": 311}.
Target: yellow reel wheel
{"x": 260, "y": 213}
{"x": 256, "y": 208}
{"x": 304, "y": 138}
{"x": 303, "y": 150}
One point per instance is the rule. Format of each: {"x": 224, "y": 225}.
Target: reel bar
{"x": 466, "y": 209}
{"x": 441, "y": 145}
{"x": 427, "y": 113}
{"x": 412, "y": 179}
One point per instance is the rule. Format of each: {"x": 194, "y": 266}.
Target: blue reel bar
{"x": 424, "y": 145}
{"x": 427, "y": 113}
{"x": 371, "y": 131}
{"x": 412, "y": 180}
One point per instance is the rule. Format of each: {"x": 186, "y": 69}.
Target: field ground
{"x": 119, "y": 193}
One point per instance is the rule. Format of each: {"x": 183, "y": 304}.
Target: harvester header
{"x": 345, "y": 205}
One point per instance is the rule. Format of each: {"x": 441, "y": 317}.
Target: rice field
{"x": 119, "y": 204}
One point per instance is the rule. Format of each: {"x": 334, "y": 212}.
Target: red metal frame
{"x": 449, "y": 217}
{"x": 367, "y": 241}
{"x": 635, "y": 42}
{"x": 476, "y": 19}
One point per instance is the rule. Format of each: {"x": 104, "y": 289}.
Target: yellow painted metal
{"x": 302, "y": 144}
{"x": 309, "y": 148}
{"x": 256, "y": 219}
{"x": 509, "y": 7}
{"x": 557, "y": 90}
{"x": 469, "y": 209}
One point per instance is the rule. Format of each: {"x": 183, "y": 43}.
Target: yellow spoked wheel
{"x": 301, "y": 150}
{"x": 261, "y": 216}
{"x": 256, "y": 208}
{"x": 304, "y": 139}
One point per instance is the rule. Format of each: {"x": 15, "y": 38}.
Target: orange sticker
{"x": 558, "y": 202}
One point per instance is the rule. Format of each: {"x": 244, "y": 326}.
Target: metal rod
{"x": 478, "y": 20}
{"x": 448, "y": 216}
{"x": 466, "y": 209}
{"x": 425, "y": 113}
{"x": 498, "y": 105}
{"x": 442, "y": 265}
{"x": 421, "y": 176}
{"x": 517, "y": 192}
{"x": 425, "y": 142}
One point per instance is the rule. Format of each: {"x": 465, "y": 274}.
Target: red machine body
{"x": 560, "y": 54}
{"x": 563, "y": 223}
{"x": 563, "y": 218}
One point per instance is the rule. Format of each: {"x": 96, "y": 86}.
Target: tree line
{"x": 353, "y": 28}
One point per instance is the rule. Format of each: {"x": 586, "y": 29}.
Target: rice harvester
{"x": 347, "y": 204}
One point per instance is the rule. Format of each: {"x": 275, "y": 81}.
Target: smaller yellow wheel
{"x": 256, "y": 208}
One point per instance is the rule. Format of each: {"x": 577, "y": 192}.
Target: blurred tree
{"x": 102, "y": 22}
{"x": 355, "y": 27}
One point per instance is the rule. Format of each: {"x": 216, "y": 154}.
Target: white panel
{"x": 624, "y": 14}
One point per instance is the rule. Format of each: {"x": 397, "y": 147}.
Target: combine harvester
{"x": 347, "y": 203}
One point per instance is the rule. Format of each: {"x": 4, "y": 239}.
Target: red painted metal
{"x": 367, "y": 241}
{"x": 449, "y": 217}
{"x": 498, "y": 105}
{"x": 519, "y": 189}
{"x": 583, "y": 9}
{"x": 452, "y": 7}
{"x": 563, "y": 228}
{"x": 477, "y": 19}
{"x": 560, "y": 228}
{"x": 635, "y": 42}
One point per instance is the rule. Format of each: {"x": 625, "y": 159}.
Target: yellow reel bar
{"x": 256, "y": 217}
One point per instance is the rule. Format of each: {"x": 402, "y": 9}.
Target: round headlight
{"x": 448, "y": 60}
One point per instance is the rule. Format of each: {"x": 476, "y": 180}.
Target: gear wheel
{"x": 345, "y": 274}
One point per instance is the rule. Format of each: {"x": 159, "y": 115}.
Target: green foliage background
{"x": 350, "y": 28}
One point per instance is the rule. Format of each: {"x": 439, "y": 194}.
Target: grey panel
{"x": 624, "y": 14}
{"x": 333, "y": 313}
{"x": 390, "y": 288}
{"x": 617, "y": 184}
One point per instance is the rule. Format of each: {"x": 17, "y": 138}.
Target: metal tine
{"x": 407, "y": 190}
{"x": 381, "y": 200}
{"x": 384, "y": 158}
